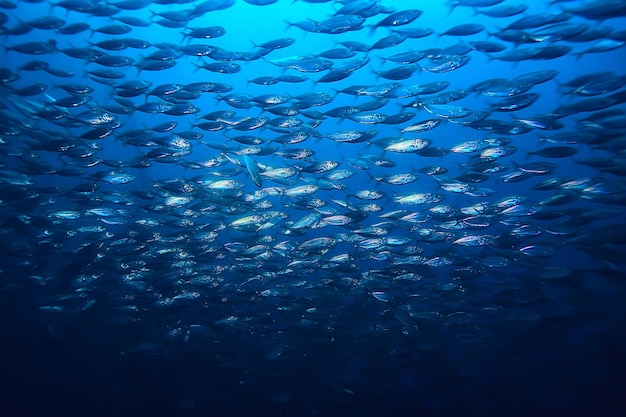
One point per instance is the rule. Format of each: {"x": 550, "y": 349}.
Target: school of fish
{"x": 362, "y": 188}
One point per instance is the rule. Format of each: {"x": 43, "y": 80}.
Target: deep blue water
{"x": 152, "y": 297}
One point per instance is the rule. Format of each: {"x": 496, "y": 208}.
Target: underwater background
{"x": 312, "y": 208}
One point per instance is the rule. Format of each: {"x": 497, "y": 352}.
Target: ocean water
{"x": 314, "y": 249}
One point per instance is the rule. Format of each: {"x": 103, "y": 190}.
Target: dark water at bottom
{"x": 561, "y": 366}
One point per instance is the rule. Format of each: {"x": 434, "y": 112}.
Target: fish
{"x": 465, "y": 29}
{"x": 407, "y": 145}
{"x": 253, "y": 169}
{"x": 225, "y": 181}
{"x": 400, "y": 18}
{"x": 33, "y": 48}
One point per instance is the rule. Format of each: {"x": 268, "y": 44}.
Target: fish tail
{"x": 527, "y": 154}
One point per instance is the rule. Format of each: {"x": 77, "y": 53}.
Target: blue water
{"x": 168, "y": 308}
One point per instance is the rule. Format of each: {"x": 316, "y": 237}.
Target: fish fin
{"x": 372, "y": 30}
{"x": 197, "y": 67}
{"x": 48, "y": 100}
{"x": 453, "y": 5}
